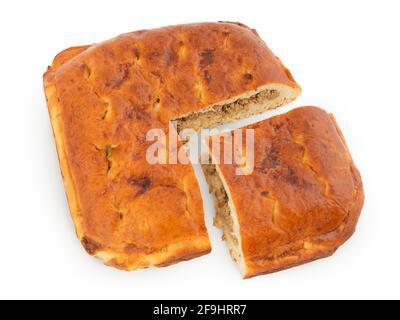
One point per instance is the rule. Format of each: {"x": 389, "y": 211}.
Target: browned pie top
{"x": 104, "y": 98}
{"x": 305, "y": 195}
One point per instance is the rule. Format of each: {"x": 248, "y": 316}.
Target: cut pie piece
{"x": 301, "y": 202}
{"x": 104, "y": 98}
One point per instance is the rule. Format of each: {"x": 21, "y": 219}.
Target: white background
{"x": 344, "y": 54}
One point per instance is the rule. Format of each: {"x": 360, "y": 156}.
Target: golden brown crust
{"x": 103, "y": 99}
{"x": 306, "y": 192}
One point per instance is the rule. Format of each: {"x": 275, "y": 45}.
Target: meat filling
{"x": 221, "y": 114}
{"x": 223, "y": 217}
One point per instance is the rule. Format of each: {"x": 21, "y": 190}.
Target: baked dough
{"x": 104, "y": 98}
{"x": 301, "y": 202}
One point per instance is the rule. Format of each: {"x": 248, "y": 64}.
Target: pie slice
{"x": 301, "y": 202}
{"x": 103, "y": 99}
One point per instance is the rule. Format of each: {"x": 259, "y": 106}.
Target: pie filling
{"x": 270, "y": 97}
